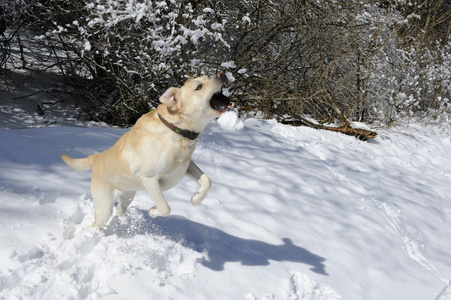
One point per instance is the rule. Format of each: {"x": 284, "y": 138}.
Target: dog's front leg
{"x": 196, "y": 174}
{"x": 152, "y": 186}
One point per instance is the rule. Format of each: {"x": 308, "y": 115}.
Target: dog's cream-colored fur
{"x": 151, "y": 156}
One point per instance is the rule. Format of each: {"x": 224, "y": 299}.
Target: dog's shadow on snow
{"x": 220, "y": 246}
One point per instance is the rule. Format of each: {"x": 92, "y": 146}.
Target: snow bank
{"x": 293, "y": 213}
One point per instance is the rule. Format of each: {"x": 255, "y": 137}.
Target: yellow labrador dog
{"x": 156, "y": 153}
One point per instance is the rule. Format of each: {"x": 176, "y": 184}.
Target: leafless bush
{"x": 332, "y": 59}
{"x": 119, "y": 56}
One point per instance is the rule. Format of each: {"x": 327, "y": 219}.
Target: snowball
{"x": 229, "y": 121}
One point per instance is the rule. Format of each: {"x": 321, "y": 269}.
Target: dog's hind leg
{"x": 196, "y": 174}
{"x": 103, "y": 198}
{"x": 125, "y": 200}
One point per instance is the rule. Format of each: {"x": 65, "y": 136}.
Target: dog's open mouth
{"x": 220, "y": 102}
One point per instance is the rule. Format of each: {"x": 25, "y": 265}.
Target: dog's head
{"x": 199, "y": 98}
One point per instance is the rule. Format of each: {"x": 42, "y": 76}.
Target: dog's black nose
{"x": 222, "y": 75}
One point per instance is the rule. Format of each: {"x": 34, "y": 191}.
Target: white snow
{"x": 229, "y": 64}
{"x": 229, "y": 121}
{"x": 246, "y": 19}
{"x": 87, "y": 46}
{"x": 293, "y": 213}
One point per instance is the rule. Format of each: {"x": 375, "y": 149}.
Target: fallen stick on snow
{"x": 359, "y": 133}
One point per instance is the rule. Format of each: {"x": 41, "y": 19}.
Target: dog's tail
{"x": 79, "y": 164}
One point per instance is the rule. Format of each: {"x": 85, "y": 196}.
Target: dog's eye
{"x": 199, "y": 87}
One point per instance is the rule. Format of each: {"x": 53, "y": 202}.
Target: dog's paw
{"x": 201, "y": 193}
{"x": 197, "y": 199}
{"x": 155, "y": 212}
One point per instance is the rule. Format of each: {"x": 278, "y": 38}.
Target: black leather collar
{"x": 185, "y": 133}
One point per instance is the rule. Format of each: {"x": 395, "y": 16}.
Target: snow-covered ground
{"x": 293, "y": 213}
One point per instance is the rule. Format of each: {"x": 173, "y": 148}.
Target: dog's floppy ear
{"x": 171, "y": 98}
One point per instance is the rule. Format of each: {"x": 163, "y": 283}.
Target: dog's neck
{"x": 180, "y": 121}
{"x": 185, "y": 133}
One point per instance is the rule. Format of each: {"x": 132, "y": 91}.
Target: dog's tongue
{"x": 221, "y": 102}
